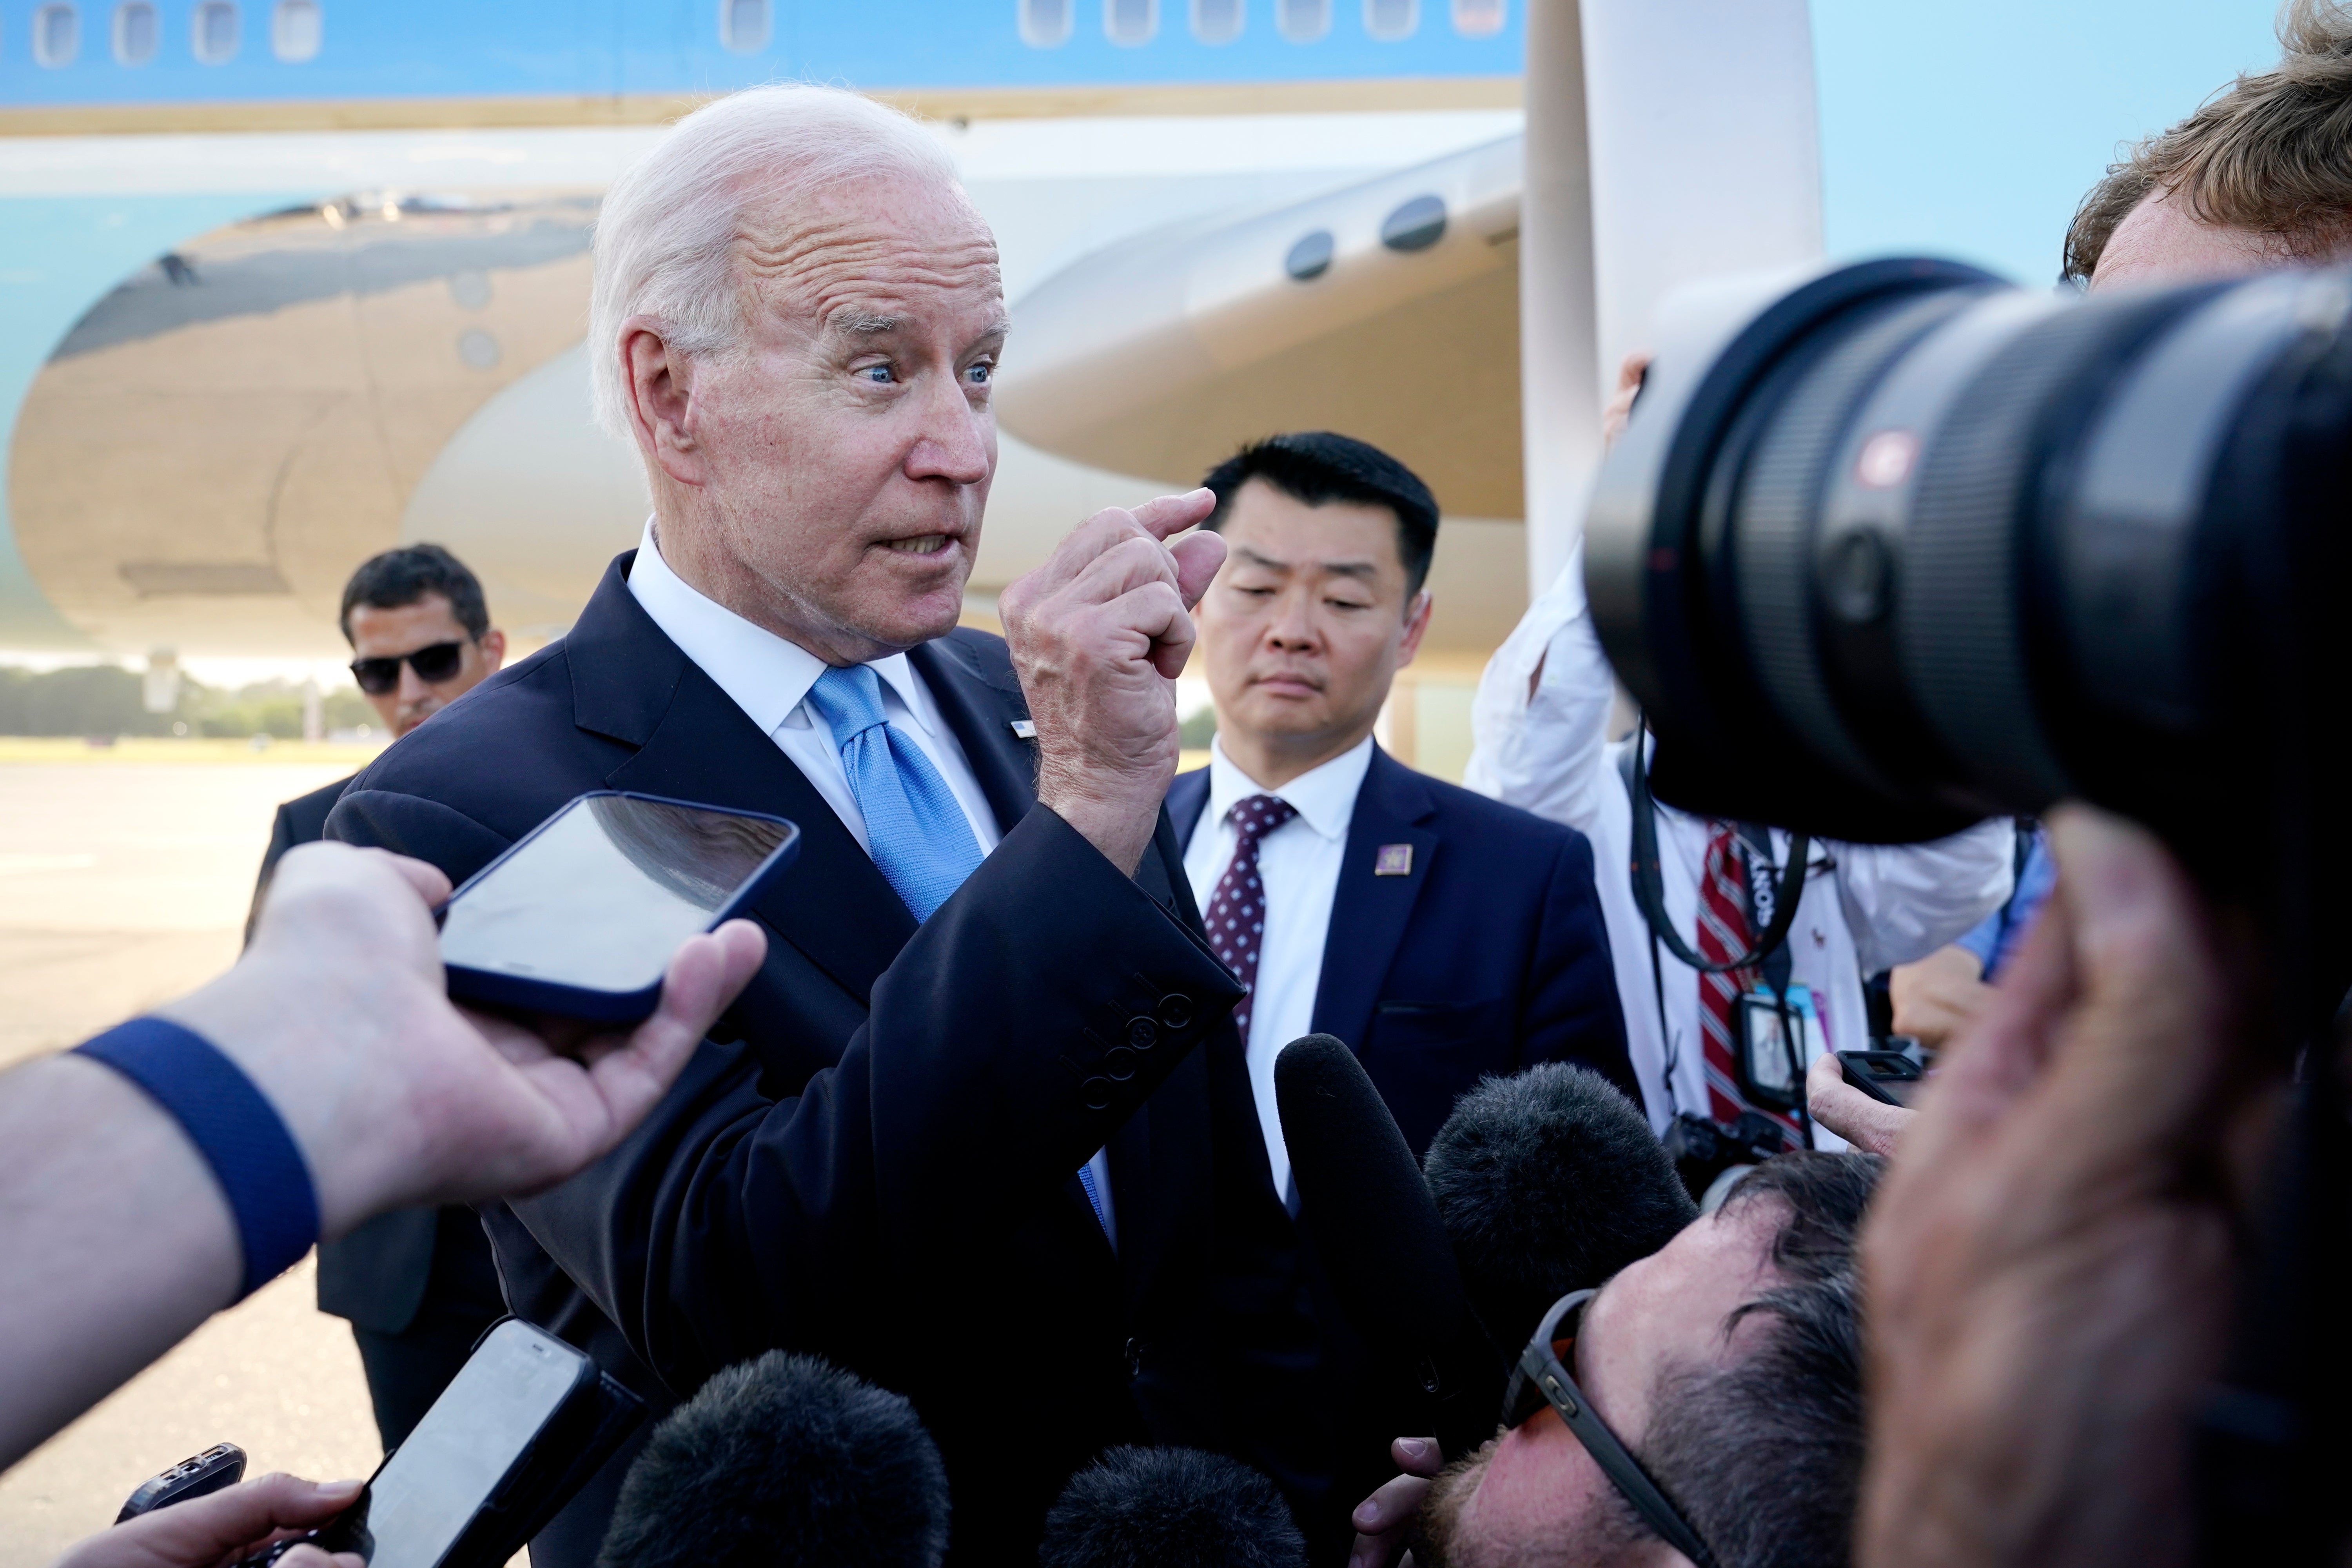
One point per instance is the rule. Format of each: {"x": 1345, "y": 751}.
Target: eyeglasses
{"x": 1541, "y": 1378}
{"x": 434, "y": 663}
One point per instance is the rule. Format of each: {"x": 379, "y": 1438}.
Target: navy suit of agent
{"x": 1487, "y": 955}
{"x": 881, "y": 1166}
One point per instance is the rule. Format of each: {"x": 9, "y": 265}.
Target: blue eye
{"x": 879, "y": 374}
{"x": 981, "y": 374}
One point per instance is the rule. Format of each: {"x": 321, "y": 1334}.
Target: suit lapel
{"x": 970, "y": 677}
{"x": 834, "y": 904}
{"x": 1188, "y": 797}
{"x": 1368, "y": 912}
{"x": 630, "y": 681}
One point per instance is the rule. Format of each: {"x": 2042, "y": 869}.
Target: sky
{"x": 1972, "y": 131}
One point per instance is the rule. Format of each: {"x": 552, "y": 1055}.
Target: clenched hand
{"x": 1099, "y": 635}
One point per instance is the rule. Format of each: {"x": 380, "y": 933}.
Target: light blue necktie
{"x": 920, "y": 837}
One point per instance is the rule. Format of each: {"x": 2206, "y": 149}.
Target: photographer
{"x": 1728, "y": 1364}
{"x": 1542, "y": 719}
{"x": 174, "y": 1165}
{"x": 2259, "y": 177}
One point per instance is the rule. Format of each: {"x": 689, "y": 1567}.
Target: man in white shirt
{"x": 1540, "y": 727}
{"x": 1441, "y": 936}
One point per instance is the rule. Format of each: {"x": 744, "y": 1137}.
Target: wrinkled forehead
{"x": 871, "y": 249}
{"x": 1674, "y": 1306}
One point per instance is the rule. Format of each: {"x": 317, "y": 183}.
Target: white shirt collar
{"x": 1324, "y": 796}
{"x": 766, "y": 674}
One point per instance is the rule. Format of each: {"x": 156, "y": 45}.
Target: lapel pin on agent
{"x": 1393, "y": 860}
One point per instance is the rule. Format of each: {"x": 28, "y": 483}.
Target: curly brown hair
{"x": 2270, "y": 154}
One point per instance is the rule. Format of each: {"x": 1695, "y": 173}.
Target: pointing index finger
{"x": 1167, "y": 515}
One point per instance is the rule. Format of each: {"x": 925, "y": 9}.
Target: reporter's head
{"x": 2259, "y": 177}
{"x": 1729, "y": 1364}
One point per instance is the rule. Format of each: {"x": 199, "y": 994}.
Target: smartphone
{"x": 527, "y": 1420}
{"x": 1890, "y": 1077}
{"x": 222, "y": 1465}
{"x": 581, "y": 916}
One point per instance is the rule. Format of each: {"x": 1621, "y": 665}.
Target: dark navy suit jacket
{"x": 1487, "y": 956}
{"x": 880, "y": 1165}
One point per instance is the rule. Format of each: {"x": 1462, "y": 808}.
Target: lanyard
{"x": 1766, "y": 887}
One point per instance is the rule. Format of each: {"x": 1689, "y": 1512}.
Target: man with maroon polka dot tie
{"x": 1441, "y": 935}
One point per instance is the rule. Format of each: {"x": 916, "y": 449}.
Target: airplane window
{"x": 1416, "y": 225}
{"x": 1302, "y": 21}
{"x": 57, "y": 36}
{"x": 134, "y": 33}
{"x": 1046, "y": 22}
{"x": 1479, "y": 18}
{"x": 296, "y": 28}
{"x": 1310, "y": 258}
{"x": 1389, "y": 20}
{"x": 1130, "y": 21}
{"x": 215, "y": 32}
{"x": 1216, "y": 21}
{"x": 745, "y": 25}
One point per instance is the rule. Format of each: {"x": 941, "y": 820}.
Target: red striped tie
{"x": 1723, "y": 933}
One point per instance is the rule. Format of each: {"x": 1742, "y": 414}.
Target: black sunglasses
{"x": 434, "y": 663}
{"x": 1541, "y": 1378}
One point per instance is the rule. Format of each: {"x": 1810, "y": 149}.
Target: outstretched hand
{"x": 397, "y": 1097}
{"x": 225, "y": 1526}
{"x": 1098, "y": 634}
{"x": 2049, "y": 1262}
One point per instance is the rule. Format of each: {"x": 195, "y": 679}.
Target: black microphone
{"x": 1170, "y": 1508}
{"x": 1538, "y": 1185}
{"x": 1549, "y": 1181}
{"x": 1383, "y": 1247}
{"x": 783, "y": 1459}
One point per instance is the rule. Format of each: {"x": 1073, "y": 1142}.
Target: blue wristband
{"x": 237, "y": 1131}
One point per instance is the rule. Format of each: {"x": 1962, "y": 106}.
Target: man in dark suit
{"x": 979, "y": 1129}
{"x": 417, "y": 1286}
{"x": 1441, "y": 935}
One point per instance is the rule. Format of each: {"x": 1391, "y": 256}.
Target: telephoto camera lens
{"x": 1900, "y": 546}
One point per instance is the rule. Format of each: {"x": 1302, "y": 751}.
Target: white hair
{"x": 665, "y": 242}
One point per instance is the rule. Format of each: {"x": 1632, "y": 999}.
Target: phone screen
{"x": 602, "y": 896}
{"x": 453, "y": 1463}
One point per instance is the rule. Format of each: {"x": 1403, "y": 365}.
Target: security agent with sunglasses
{"x": 1701, "y": 1407}
{"x": 418, "y": 1285}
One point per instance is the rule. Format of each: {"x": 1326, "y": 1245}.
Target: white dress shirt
{"x": 1865, "y": 908}
{"x": 1298, "y": 865}
{"x": 768, "y": 678}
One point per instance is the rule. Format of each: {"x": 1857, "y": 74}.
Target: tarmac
{"x": 124, "y": 879}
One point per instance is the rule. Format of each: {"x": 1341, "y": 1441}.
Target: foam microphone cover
{"x": 783, "y": 1459}
{"x": 1548, "y": 1182}
{"x": 1170, "y": 1508}
{"x": 1360, "y": 1192}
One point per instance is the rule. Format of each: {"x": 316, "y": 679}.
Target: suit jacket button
{"x": 1096, "y": 1093}
{"x": 1176, "y": 1011}
{"x": 1119, "y": 1063}
{"x": 1142, "y": 1033}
